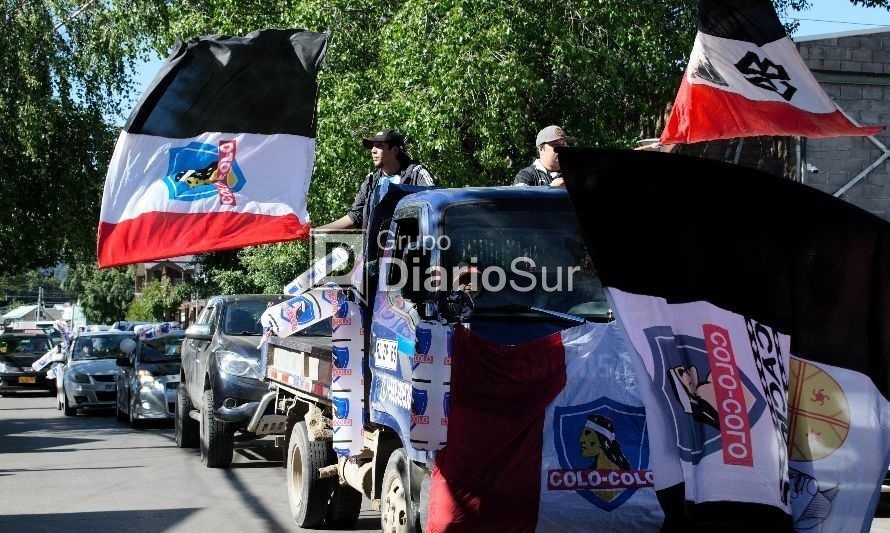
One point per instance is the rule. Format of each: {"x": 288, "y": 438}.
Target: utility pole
{"x": 40, "y": 303}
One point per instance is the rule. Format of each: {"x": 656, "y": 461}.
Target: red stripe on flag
{"x": 704, "y": 113}
{"x": 488, "y": 477}
{"x": 158, "y": 235}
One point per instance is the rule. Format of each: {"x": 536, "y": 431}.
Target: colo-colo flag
{"x": 758, "y": 308}
{"x": 746, "y": 78}
{"x": 218, "y": 153}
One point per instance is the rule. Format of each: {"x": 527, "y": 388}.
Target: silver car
{"x": 148, "y": 379}
{"x": 87, "y": 378}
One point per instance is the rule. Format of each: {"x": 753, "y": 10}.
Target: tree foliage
{"x": 104, "y": 294}
{"x": 469, "y": 82}
{"x": 158, "y": 301}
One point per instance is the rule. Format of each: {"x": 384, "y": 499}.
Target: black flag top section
{"x": 685, "y": 229}
{"x": 263, "y": 83}
{"x": 740, "y": 20}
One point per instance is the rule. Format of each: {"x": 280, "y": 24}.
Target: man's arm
{"x": 344, "y": 222}
{"x": 525, "y": 177}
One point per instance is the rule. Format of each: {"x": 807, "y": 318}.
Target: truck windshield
{"x": 518, "y": 252}
{"x": 25, "y": 345}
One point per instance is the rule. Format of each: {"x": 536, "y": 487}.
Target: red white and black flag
{"x": 745, "y": 78}
{"x": 218, "y": 153}
{"x": 759, "y": 309}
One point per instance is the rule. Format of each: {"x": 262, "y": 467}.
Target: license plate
{"x": 27, "y": 379}
{"x": 110, "y": 387}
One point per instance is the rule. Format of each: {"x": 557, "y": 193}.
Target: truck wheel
{"x": 396, "y": 514}
{"x": 344, "y": 507}
{"x": 67, "y": 409}
{"x": 217, "y": 442}
{"x": 308, "y": 495}
{"x": 185, "y": 426}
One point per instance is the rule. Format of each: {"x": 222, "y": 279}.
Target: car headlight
{"x": 236, "y": 365}
{"x": 77, "y": 377}
{"x": 7, "y": 368}
{"x": 145, "y": 377}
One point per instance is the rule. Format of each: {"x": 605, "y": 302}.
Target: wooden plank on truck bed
{"x": 303, "y": 364}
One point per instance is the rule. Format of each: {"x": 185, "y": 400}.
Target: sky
{"x": 826, "y": 16}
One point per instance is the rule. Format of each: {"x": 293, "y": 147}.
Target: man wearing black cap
{"x": 391, "y": 163}
{"x": 545, "y": 170}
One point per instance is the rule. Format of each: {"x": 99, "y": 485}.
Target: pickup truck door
{"x": 194, "y": 357}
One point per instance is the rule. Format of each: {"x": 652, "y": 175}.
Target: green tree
{"x": 104, "y": 294}
{"x": 158, "y": 301}
{"x": 62, "y": 71}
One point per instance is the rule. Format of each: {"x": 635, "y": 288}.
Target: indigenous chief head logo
{"x": 603, "y": 449}
{"x": 819, "y": 415}
{"x": 810, "y": 501}
{"x": 199, "y": 170}
{"x": 706, "y": 402}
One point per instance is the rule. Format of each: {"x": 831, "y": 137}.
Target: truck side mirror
{"x": 199, "y": 332}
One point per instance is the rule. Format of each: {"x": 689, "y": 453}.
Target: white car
{"x": 86, "y": 379}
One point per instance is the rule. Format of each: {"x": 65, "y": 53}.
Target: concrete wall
{"x": 854, "y": 69}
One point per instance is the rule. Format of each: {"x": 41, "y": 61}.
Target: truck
{"x": 366, "y": 409}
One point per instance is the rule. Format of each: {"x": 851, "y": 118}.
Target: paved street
{"x": 92, "y": 473}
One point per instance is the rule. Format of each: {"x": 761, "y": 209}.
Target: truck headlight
{"x": 77, "y": 377}
{"x": 236, "y": 365}
{"x": 7, "y": 368}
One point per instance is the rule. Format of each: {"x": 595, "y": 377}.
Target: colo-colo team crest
{"x": 199, "y": 170}
{"x": 603, "y": 449}
{"x": 712, "y": 402}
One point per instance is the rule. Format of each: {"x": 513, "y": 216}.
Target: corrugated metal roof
{"x": 19, "y": 312}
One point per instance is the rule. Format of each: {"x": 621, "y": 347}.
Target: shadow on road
{"x": 137, "y": 520}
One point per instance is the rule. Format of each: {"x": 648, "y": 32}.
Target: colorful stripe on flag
{"x": 218, "y": 153}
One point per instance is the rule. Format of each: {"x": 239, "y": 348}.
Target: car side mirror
{"x": 199, "y": 332}
{"x": 122, "y": 360}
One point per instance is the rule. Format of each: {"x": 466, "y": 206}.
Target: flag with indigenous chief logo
{"x": 218, "y": 153}
{"x": 746, "y": 78}
{"x": 759, "y": 310}
{"x": 548, "y": 435}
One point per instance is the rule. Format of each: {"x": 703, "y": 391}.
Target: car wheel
{"x": 185, "y": 426}
{"x": 308, "y": 495}
{"x": 217, "y": 441}
{"x": 396, "y": 514}
{"x": 66, "y": 408}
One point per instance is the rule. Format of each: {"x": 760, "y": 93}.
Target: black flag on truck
{"x": 760, "y": 310}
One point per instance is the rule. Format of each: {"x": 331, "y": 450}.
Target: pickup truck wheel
{"x": 344, "y": 507}
{"x": 186, "y": 428}
{"x": 67, "y": 409}
{"x": 396, "y": 515}
{"x": 308, "y": 495}
{"x": 217, "y": 441}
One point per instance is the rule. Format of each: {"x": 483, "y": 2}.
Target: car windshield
{"x": 163, "y": 350}
{"x": 29, "y": 345}
{"x": 243, "y": 316}
{"x": 521, "y": 254}
{"x": 97, "y": 347}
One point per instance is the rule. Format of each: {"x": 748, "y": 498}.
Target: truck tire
{"x": 396, "y": 511}
{"x": 217, "y": 441}
{"x": 185, "y": 427}
{"x": 308, "y": 495}
{"x": 67, "y": 409}
{"x": 344, "y": 507}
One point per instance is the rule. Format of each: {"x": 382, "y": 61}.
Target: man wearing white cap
{"x": 545, "y": 169}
